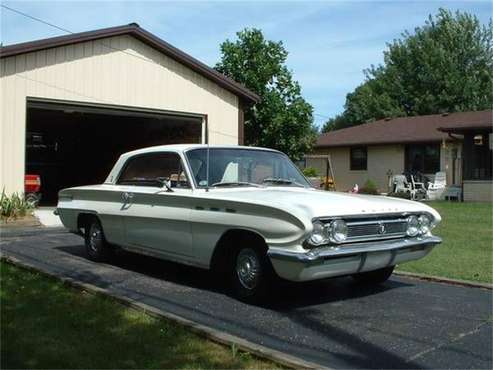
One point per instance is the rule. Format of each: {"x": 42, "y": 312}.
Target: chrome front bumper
{"x": 347, "y": 259}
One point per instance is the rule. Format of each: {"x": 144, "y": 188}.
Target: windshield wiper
{"x": 281, "y": 181}
{"x": 234, "y": 183}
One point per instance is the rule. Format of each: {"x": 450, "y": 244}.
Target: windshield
{"x": 243, "y": 167}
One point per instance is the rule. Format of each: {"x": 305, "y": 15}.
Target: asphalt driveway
{"x": 404, "y": 323}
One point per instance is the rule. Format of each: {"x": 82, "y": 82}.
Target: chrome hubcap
{"x": 95, "y": 237}
{"x": 248, "y": 268}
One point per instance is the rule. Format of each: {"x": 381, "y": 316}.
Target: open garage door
{"x": 71, "y": 144}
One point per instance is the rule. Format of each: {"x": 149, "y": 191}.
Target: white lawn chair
{"x": 439, "y": 182}
{"x": 401, "y": 185}
{"x": 419, "y": 189}
{"x": 437, "y": 187}
{"x": 416, "y": 184}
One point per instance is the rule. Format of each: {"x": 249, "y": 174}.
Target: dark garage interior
{"x": 70, "y": 145}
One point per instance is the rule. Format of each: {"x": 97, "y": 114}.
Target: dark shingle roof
{"x": 405, "y": 129}
{"x": 148, "y": 38}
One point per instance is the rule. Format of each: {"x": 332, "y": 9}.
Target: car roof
{"x": 185, "y": 147}
{"x": 177, "y": 148}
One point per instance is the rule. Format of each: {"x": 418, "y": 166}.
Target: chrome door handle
{"x": 127, "y": 196}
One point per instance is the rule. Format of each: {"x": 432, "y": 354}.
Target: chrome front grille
{"x": 375, "y": 228}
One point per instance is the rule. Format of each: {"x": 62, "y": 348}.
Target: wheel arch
{"x": 230, "y": 240}
{"x": 83, "y": 218}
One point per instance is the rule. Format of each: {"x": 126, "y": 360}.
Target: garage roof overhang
{"x": 146, "y": 37}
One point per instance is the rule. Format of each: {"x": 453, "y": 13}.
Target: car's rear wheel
{"x": 374, "y": 277}
{"x": 251, "y": 274}
{"x": 97, "y": 247}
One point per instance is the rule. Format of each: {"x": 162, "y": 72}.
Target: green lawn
{"x": 467, "y": 249}
{"x": 45, "y": 324}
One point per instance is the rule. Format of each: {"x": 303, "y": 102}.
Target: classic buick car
{"x": 246, "y": 213}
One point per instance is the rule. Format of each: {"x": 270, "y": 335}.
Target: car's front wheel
{"x": 97, "y": 247}
{"x": 374, "y": 277}
{"x": 251, "y": 274}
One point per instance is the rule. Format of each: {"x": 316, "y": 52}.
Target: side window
{"x": 358, "y": 160}
{"x": 152, "y": 169}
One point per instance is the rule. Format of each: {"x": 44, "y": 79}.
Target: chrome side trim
{"x": 318, "y": 255}
{"x": 162, "y": 255}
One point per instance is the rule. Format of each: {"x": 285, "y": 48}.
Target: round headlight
{"x": 412, "y": 226}
{"x": 424, "y": 224}
{"x": 337, "y": 231}
{"x": 318, "y": 234}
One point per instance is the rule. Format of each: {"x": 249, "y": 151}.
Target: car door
{"x": 155, "y": 218}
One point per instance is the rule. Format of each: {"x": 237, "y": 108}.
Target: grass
{"x": 45, "y": 324}
{"x": 467, "y": 249}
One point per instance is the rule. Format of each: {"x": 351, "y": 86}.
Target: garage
{"x": 71, "y": 105}
{"x": 71, "y": 145}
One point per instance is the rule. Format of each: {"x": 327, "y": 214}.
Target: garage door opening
{"x": 72, "y": 145}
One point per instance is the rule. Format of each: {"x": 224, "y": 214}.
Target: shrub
{"x": 368, "y": 188}
{"x": 14, "y": 206}
{"x": 310, "y": 172}
{"x": 401, "y": 194}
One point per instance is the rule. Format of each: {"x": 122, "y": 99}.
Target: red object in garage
{"x": 32, "y": 189}
{"x": 32, "y": 183}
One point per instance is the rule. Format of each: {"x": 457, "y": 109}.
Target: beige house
{"x": 426, "y": 144}
{"x": 71, "y": 105}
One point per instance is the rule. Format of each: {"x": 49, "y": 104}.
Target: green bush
{"x": 369, "y": 188}
{"x": 14, "y": 206}
{"x": 310, "y": 172}
{"x": 401, "y": 194}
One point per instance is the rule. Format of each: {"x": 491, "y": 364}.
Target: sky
{"x": 330, "y": 43}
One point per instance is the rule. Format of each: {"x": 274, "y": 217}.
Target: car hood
{"x": 319, "y": 203}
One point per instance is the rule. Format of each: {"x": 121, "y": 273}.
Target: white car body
{"x": 186, "y": 225}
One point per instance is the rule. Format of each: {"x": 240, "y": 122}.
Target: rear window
{"x": 152, "y": 169}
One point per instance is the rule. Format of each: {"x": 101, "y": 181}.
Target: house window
{"x": 424, "y": 158}
{"x": 477, "y": 156}
{"x": 359, "y": 158}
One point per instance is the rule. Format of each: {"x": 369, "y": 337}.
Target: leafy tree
{"x": 283, "y": 119}
{"x": 445, "y": 66}
{"x": 335, "y": 123}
